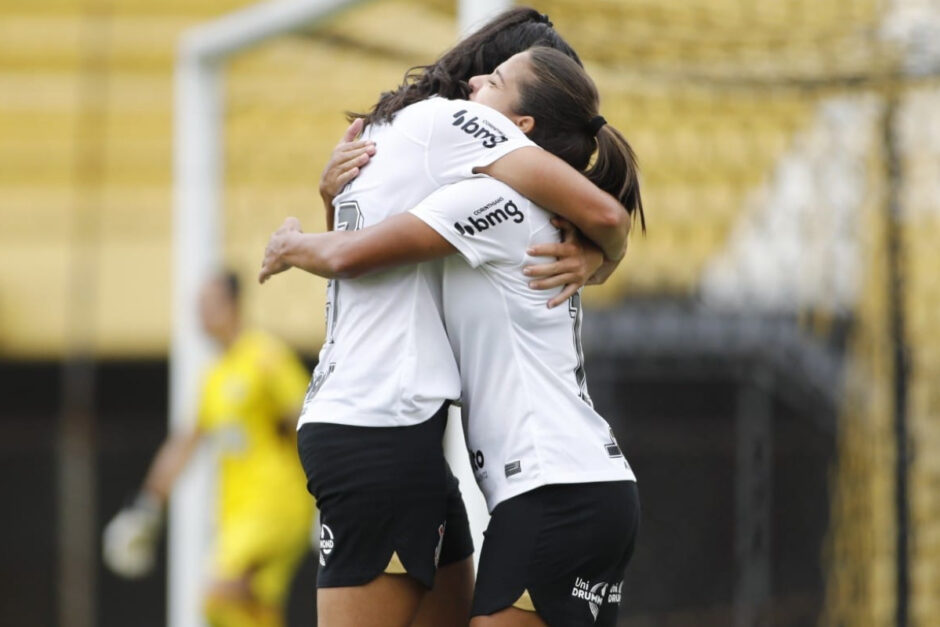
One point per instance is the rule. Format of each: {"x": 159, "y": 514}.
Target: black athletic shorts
{"x": 560, "y": 550}
{"x": 383, "y": 492}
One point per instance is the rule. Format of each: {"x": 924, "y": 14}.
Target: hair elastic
{"x": 544, "y": 19}
{"x": 596, "y": 123}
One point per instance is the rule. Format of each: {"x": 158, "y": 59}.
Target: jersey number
{"x": 348, "y": 218}
{"x": 574, "y": 310}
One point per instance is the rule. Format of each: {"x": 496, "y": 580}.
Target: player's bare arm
{"x": 400, "y": 240}
{"x": 551, "y": 183}
{"x": 579, "y": 261}
{"x": 169, "y": 462}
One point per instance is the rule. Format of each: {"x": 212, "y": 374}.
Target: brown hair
{"x": 480, "y": 52}
{"x": 563, "y": 101}
{"x": 233, "y": 286}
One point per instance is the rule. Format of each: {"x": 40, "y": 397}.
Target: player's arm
{"x": 553, "y": 184}
{"x": 169, "y": 462}
{"x": 399, "y": 240}
{"x": 129, "y": 541}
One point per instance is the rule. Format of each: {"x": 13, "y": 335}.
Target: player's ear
{"x": 525, "y": 123}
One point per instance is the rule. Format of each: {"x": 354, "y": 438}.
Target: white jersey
{"x": 528, "y": 418}
{"x": 386, "y": 360}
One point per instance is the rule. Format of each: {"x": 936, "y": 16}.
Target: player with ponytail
{"x": 562, "y": 496}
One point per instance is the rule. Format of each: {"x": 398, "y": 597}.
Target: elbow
{"x": 612, "y": 223}
{"x": 614, "y": 219}
{"x": 343, "y": 263}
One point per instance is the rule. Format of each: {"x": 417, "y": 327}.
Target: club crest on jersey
{"x": 487, "y": 216}
{"x": 489, "y": 135}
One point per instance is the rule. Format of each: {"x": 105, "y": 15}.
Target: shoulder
{"x": 468, "y": 121}
{"x": 475, "y": 190}
{"x": 491, "y": 203}
{"x": 421, "y": 113}
{"x": 482, "y": 186}
{"x": 479, "y": 120}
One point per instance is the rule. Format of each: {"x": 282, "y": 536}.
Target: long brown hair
{"x": 563, "y": 101}
{"x": 510, "y": 32}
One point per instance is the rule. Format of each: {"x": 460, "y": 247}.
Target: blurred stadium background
{"x": 768, "y": 355}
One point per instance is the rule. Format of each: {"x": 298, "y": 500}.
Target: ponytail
{"x": 616, "y": 172}
{"x": 563, "y": 101}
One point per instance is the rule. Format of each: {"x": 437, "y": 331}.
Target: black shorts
{"x": 383, "y": 491}
{"x": 567, "y": 546}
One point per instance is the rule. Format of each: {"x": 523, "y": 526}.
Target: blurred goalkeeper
{"x": 249, "y": 405}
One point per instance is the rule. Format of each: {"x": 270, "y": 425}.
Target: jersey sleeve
{"x": 465, "y": 135}
{"x": 483, "y": 219}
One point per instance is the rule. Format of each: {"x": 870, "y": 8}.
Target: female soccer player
{"x": 563, "y": 498}
{"x": 372, "y": 422}
{"x": 249, "y": 398}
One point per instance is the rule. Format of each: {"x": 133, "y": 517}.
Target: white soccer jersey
{"x": 528, "y": 418}
{"x": 386, "y": 360}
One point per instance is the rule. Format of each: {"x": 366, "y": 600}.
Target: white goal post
{"x": 197, "y": 177}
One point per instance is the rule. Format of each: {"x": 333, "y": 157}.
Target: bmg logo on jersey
{"x": 486, "y": 217}
{"x": 480, "y": 129}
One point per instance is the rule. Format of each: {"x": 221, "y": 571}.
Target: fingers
{"x": 353, "y": 130}
{"x": 290, "y": 224}
{"x": 265, "y": 269}
{"x": 346, "y": 151}
{"x": 358, "y": 157}
{"x": 556, "y": 280}
{"x": 552, "y": 249}
{"x": 266, "y": 273}
{"x": 343, "y": 161}
{"x": 564, "y": 295}
{"x": 569, "y": 265}
{"x": 268, "y": 269}
{"x": 346, "y": 176}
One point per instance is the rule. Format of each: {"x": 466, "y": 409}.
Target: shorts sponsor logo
{"x": 440, "y": 543}
{"x": 615, "y": 592}
{"x": 326, "y": 543}
{"x": 488, "y": 134}
{"x": 595, "y": 594}
{"x": 487, "y": 217}
{"x": 513, "y": 468}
